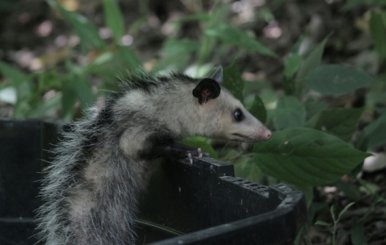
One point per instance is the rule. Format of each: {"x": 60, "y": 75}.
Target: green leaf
{"x": 337, "y": 80}
{"x": 248, "y": 171}
{"x": 239, "y": 38}
{"x": 344, "y": 210}
{"x": 322, "y": 223}
{"x": 14, "y": 75}
{"x": 377, "y": 25}
{"x": 313, "y": 108}
{"x": 292, "y": 64}
{"x": 76, "y": 87}
{"x": 289, "y": 113}
{"x": 87, "y": 32}
{"x": 304, "y": 156}
{"x": 129, "y": 59}
{"x": 69, "y": 97}
{"x": 82, "y": 88}
{"x": 375, "y": 132}
{"x": 233, "y": 81}
{"x": 114, "y": 19}
{"x": 258, "y": 109}
{"x": 48, "y": 80}
{"x": 341, "y": 122}
{"x": 313, "y": 60}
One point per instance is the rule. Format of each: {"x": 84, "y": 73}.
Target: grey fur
{"x": 104, "y": 161}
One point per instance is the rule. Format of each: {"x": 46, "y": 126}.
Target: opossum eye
{"x": 238, "y": 115}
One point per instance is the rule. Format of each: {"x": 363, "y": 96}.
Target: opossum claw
{"x": 190, "y": 158}
{"x": 199, "y": 153}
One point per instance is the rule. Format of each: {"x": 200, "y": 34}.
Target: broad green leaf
{"x": 341, "y": 122}
{"x": 337, "y": 80}
{"x": 114, "y": 19}
{"x": 248, "y": 171}
{"x": 313, "y": 108}
{"x": 306, "y": 157}
{"x": 289, "y": 113}
{"x": 87, "y": 32}
{"x": 375, "y": 132}
{"x": 258, "y": 109}
{"x": 233, "y": 81}
{"x": 377, "y": 26}
{"x": 238, "y": 37}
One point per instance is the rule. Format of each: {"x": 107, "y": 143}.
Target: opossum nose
{"x": 265, "y": 134}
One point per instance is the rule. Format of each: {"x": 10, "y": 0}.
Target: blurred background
{"x": 313, "y": 71}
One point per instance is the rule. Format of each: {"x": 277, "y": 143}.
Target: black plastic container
{"x": 199, "y": 203}
{"x": 22, "y": 155}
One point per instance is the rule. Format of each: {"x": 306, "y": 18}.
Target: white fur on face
{"x": 218, "y": 116}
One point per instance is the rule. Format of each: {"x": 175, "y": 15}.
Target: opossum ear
{"x": 217, "y": 74}
{"x": 206, "y": 89}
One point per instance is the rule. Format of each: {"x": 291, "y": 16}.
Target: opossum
{"x": 104, "y": 161}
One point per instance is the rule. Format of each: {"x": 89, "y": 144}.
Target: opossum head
{"x": 185, "y": 106}
{"x": 221, "y": 115}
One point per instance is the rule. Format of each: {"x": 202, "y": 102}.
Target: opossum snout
{"x": 264, "y": 134}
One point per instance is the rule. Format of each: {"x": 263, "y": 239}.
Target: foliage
{"x": 335, "y": 221}
{"x": 304, "y": 156}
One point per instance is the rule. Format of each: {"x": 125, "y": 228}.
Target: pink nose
{"x": 265, "y": 134}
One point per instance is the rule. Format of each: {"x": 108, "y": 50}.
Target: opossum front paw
{"x": 198, "y": 153}
{"x": 182, "y": 151}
